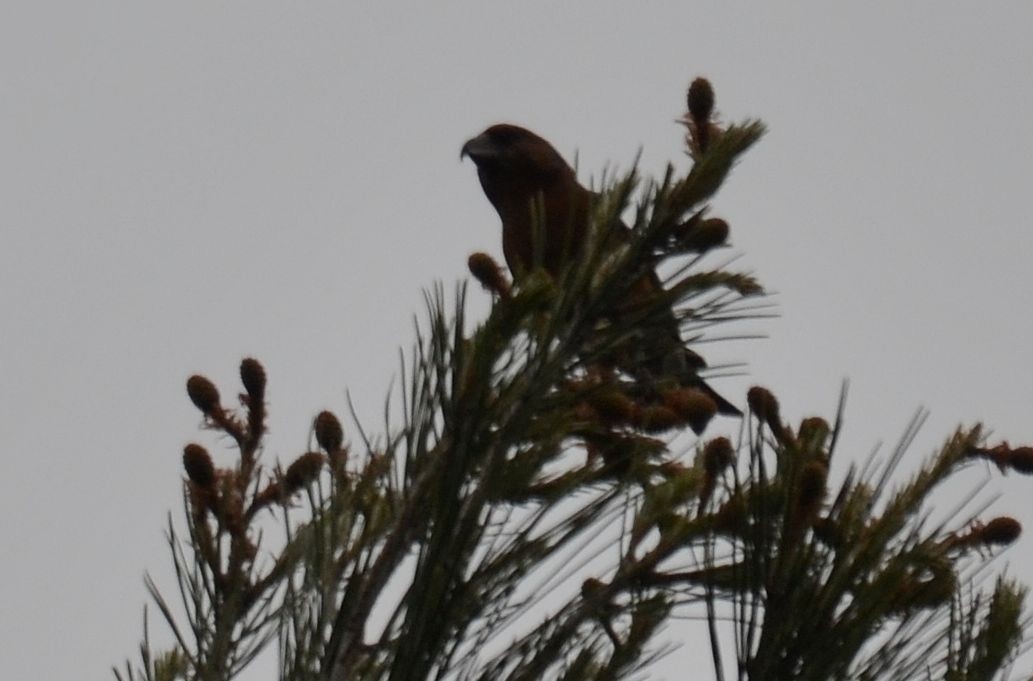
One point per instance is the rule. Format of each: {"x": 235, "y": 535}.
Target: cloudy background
{"x": 183, "y": 184}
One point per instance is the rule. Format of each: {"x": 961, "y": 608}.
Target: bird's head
{"x": 511, "y": 159}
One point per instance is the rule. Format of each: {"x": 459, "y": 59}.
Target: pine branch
{"x": 541, "y": 459}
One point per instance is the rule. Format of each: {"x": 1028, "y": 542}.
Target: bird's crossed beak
{"x": 478, "y": 148}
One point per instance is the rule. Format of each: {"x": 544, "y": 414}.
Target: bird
{"x": 531, "y": 187}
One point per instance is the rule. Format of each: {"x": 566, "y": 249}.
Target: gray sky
{"x": 184, "y": 184}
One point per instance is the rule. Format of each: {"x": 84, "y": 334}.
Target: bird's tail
{"x": 688, "y": 364}
{"x": 723, "y": 406}
{"x": 668, "y": 358}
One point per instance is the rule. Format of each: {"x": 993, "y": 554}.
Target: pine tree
{"x": 539, "y": 513}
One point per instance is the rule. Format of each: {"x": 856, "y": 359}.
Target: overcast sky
{"x": 186, "y": 183}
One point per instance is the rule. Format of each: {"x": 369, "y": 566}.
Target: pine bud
{"x": 763, "y": 403}
{"x": 814, "y": 428}
{"x": 811, "y": 489}
{"x": 656, "y": 418}
{"x": 1021, "y": 460}
{"x": 717, "y": 456}
{"x": 693, "y": 406}
{"x": 302, "y": 471}
{"x": 592, "y": 589}
{"x": 484, "y": 268}
{"x": 252, "y": 375}
{"x": 329, "y": 433}
{"x": 612, "y": 406}
{"x": 707, "y": 234}
{"x": 701, "y": 100}
{"x": 1000, "y": 531}
{"x": 203, "y": 394}
{"x": 198, "y": 465}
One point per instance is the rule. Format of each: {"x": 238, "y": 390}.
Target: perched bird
{"x": 517, "y": 168}
{"x": 529, "y": 184}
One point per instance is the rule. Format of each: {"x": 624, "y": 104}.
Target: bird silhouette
{"x": 534, "y": 189}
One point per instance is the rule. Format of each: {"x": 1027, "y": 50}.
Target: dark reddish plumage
{"x": 529, "y": 184}
{"x": 522, "y": 173}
